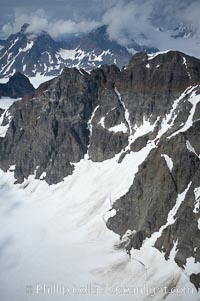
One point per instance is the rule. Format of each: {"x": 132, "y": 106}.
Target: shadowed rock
{"x": 17, "y": 86}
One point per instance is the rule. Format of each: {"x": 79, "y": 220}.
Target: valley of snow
{"x": 57, "y": 235}
{"x": 54, "y": 243}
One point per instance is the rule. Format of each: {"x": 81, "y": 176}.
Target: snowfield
{"x": 6, "y": 102}
{"x": 39, "y": 79}
{"x": 56, "y": 235}
{"x": 54, "y": 243}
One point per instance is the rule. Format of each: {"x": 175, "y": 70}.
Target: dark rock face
{"x": 156, "y": 190}
{"x": 104, "y": 143}
{"x": 17, "y": 86}
{"x": 51, "y": 133}
{"x": 2, "y": 43}
{"x": 186, "y": 170}
{"x": 150, "y": 86}
{"x": 98, "y": 114}
{"x": 80, "y": 112}
{"x": 195, "y": 279}
{"x": 141, "y": 207}
{"x": 139, "y": 143}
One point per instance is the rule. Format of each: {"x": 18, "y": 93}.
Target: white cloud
{"x": 191, "y": 16}
{"x": 126, "y": 20}
{"x": 134, "y": 20}
{"x": 39, "y": 21}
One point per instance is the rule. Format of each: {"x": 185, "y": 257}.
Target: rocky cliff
{"x": 151, "y": 106}
{"x": 18, "y": 85}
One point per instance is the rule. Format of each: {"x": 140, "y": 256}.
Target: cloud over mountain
{"x": 39, "y": 21}
{"x": 147, "y": 22}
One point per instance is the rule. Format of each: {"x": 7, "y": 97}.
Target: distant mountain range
{"x": 32, "y": 54}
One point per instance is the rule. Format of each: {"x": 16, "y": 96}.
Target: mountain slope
{"x": 137, "y": 127}
{"x": 64, "y": 106}
{"x": 31, "y": 54}
{"x": 27, "y": 53}
{"x": 98, "y": 49}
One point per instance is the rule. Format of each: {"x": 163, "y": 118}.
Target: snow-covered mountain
{"x": 105, "y": 163}
{"x": 182, "y": 31}
{"x": 32, "y": 54}
{"x": 28, "y": 54}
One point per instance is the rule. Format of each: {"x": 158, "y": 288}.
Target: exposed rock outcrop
{"x": 79, "y": 112}
{"x": 17, "y": 86}
{"x": 112, "y": 112}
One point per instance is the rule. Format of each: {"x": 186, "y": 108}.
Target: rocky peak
{"x": 17, "y": 86}
{"x": 24, "y": 28}
{"x": 147, "y": 90}
{"x": 143, "y": 110}
{"x": 102, "y": 31}
{"x": 170, "y": 71}
{"x": 40, "y": 53}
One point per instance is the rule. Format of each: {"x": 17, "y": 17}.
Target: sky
{"x": 126, "y": 19}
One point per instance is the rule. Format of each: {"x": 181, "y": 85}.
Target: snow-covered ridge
{"x": 153, "y": 55}
{"x": 55, "y": 61}
{"x": 41, "y": 55}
